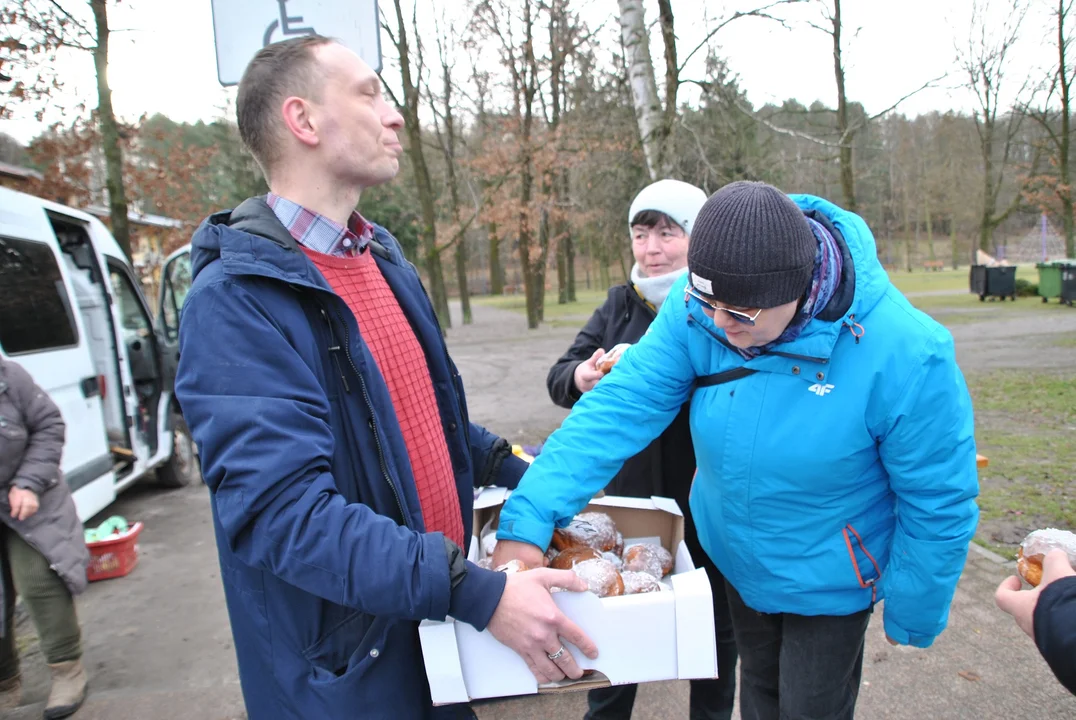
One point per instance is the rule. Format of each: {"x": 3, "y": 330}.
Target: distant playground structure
{"x": 1041, "y": 244}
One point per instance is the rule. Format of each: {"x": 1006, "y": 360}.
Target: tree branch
{"x": 388, "y": 89}
{"x": 474, "y": 216}
{"x": 74, "y": 45}
{"x": 85, "y": 31}
{"x": 779, "y": 130}
{"x": 761, "y": 12}
{"x": 388, "y": 29}
{"x": 702, "y": 152}
{"x": 891, "y": 108}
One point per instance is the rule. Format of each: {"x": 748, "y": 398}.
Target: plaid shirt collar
{"x": 319, "y": 233}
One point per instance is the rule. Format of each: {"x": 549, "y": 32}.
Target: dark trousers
{"x": 710, "y": 699}
{"x": 794, "y": 667}
{"x": 26, "y": 571}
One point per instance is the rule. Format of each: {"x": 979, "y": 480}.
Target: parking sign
{"x": 243, "y": 27}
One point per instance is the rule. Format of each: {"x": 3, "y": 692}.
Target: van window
{"x": 35, "y": 311}
{"x": 136, "y": 323}
{"x": 177, "y": 283}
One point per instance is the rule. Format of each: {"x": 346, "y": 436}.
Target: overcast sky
{"x": 164, "y": 59}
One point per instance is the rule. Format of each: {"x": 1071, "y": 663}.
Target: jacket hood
{"x": 861, "y": 291}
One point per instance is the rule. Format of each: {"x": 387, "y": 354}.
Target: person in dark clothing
{"x": 1048, "y": 614}
{"x": 660, "y": 221}
{"x": 43, "y": 555}
{"x": 332, "y": 425}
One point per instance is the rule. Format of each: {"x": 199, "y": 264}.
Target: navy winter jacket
{"x": 326, "y": 565}
{"x": 1055, "y": 629}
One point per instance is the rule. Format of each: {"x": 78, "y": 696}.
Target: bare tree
{"x": 563, "y": 32}
{"x": 448, "y": 138}
{"x": 1057, "y": 125}
{"x": 49, "y": 26}
{"x": 427, "y": 201}
{"x": 533, "y": 267}
{"x": 481, "y": 80}
{"x": 846, "y": 132}
{"x": 658, "y": 119}
{"x": 985, "y": 62}
{"x": 498, "y": 18}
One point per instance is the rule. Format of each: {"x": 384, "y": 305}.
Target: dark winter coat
{"x": 31, "y": 445}
{"x": 1055, "y": 629}
{"x": 666, "y": 466}
{"x": 326, "y": 565}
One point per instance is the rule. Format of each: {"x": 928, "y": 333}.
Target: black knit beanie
{"x": 751, "y": 247}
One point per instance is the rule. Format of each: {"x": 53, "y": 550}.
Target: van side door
{"x": 175, "y": 284}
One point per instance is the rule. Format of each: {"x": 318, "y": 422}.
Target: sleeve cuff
{"x": 32, "y": 485}
{"x": 476, "y": 597}
{"x": 903, "y": 637}
{"x": 573, "y": 392}
{"x": 528, "y": 531}
{"x": 511, "y": 471}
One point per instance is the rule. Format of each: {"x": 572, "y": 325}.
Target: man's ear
{"x": 299, "y": 121}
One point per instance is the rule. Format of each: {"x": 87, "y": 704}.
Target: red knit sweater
{"x": 358, "y": 280}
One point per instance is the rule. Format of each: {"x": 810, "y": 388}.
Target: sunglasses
{"x": 737, "y": 315}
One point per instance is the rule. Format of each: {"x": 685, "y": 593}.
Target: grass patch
{"x": 1065, "y": 340}
{"x": 969, "y": 301}
{"x": 949, "y": 319}
{"x": 555, "y": 314}
{"x": 958, "y": 309}
{"x": 1026, "y": 426}
{"x": 1006, "y": 551}
{"x": 972, "y": 302}
{"x": 940, "y": 280}
{"x": 914, "y": 282}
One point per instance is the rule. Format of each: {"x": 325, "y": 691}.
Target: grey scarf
{"x": 654, "y": 289}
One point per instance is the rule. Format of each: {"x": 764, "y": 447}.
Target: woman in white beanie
{"x": 660, "y": 222}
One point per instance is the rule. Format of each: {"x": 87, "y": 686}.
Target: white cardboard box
{"x": 640, "y": 638}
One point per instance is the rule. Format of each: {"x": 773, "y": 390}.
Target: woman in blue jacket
{"x": 660, "y": 220}
{"x": 833, "y": 434}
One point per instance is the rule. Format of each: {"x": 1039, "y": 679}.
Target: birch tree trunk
{"x": 644, "y": 90}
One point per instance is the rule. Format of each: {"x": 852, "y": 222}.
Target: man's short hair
{"x": 278, "y": 71}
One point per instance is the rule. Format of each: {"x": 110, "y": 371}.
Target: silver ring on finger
{"x": 556, "y": 656}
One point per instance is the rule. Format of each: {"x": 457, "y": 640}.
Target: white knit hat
{"x": 681, "y": 201}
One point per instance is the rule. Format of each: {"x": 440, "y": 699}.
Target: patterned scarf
{"x": 827, "y": 276}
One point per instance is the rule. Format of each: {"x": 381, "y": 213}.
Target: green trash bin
{"x": 1050, "y": 279}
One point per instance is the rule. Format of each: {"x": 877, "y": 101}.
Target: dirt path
{"x": 504, "y": 368}
{"x": 158, "y": 645}
{"x": 1024, "y": 341}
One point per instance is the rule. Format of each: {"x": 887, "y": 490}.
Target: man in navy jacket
{"x": 331, "y": 423}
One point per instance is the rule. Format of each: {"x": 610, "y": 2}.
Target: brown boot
{"x": 68, "y": 689}
{"x": 10, "y": 693}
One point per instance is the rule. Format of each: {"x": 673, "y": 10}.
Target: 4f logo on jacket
{"x": 819, "y": 389}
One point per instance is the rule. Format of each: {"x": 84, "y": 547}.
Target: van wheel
{"x": 183, "y": 467}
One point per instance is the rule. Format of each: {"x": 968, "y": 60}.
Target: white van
{"x": 73, "y": 315}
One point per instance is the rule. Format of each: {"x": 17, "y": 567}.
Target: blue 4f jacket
{"x": 325, "y": 563}
{"x": 842, "y": 471}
